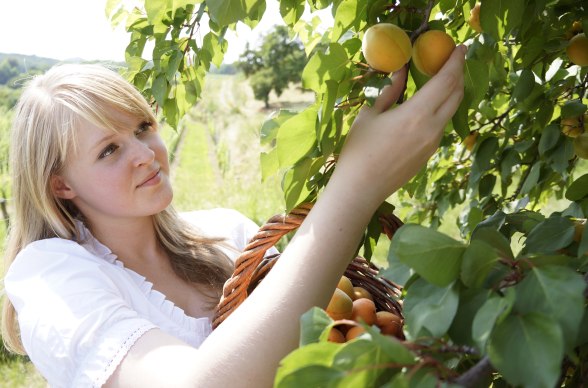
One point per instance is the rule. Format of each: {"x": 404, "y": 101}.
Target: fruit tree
{"x": 502, "y": 302}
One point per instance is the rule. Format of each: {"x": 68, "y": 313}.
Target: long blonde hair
{"x": 43, "y": 132}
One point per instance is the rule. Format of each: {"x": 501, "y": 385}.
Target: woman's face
{"x": 114, "y": 175}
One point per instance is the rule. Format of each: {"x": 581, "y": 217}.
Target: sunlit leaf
{"x": 433, "y": 255}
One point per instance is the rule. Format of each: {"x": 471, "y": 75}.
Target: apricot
{"x": 389, "y": 323}
{"x": 354, "y": 332}
{"x": 577, "y": 50}
{"x": 360, "y": 292}
{"x": 571, "y": 126}
{"x": 431, "y": 50}
{"x": 340, "y": 306}
{"x": 579, "y": 226}
{"x": 470, "y": 140}
{"x": 364, "y": 310}
{"x": 336, "y": 336}
{"x": 386, "y": 47}
{"x": 581, "y": 145}
{"x": 474, "y": 20}
{"x": 577, "y": 27}
{"x": 346, "y": 286}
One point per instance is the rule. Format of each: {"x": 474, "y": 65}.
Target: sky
{"x": 66, "y": 29}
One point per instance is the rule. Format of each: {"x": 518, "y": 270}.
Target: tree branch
{"x": 474, "y": 375}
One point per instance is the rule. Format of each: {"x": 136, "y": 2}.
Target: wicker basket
{"x": 251, "y": 266}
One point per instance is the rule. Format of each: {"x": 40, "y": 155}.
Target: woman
{"x": 94, "y": 237}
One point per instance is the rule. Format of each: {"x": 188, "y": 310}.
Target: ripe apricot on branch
{"x": 572, "y": 127}
{"x": 470, "y": 140}
{"x": 581, "y": 145}
{"x": 431, "y": 50}
{"x": 577, "y": 50}
{"x": 386, "y": 47}
{"x": 474, "y": 20}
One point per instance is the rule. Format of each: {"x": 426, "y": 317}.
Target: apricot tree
{"x": 505, "y": 301}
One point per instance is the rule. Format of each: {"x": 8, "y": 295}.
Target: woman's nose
{"x": 142, "y": 154}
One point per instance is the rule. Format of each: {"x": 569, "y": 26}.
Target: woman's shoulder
{"x": 50, "y": 255}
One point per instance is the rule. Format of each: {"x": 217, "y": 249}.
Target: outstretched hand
{"x": 387, "y": 147}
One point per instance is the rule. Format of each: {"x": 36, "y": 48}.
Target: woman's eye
{"x": 143, "y": 127}
{"x": 107, "y": 151}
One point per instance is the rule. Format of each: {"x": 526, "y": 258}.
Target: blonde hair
{"x": 42, "y": 134}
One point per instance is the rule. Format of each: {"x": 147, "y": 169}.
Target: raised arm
{"x": 384, "y": 149}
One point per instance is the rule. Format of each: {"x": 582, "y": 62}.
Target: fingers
{"x": 391, "y": 93}
{"x": 441, "y": 92}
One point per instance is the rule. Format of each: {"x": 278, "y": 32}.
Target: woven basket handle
{"x": 247, "y": 265}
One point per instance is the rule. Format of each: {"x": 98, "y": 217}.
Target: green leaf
{"x": 494, "y": 239}
{"x": 173, "y": 64}
{"x": 292, "y": 367}
{"x": 493, "y": 310}
{"x": 433, "y": 255}
{"x": 159, "y": 88}
{"x": 396, "y": 271}
{"x": 527, "y": 350}
{"x": 225, "y": 12}
{"x": 430, "y": 308}
{"x": 478, "y": 259}
{"x": 524, "y": 86}
{"x": 291, "y": 10}
{"x": 394, "y": 349}
{"x": 170, "y": 110}
{"x": 476, "y": 82}
{"x": 156, "y": 10}
{"x": 296, "y": 137}
{"x": 501, "y": 16}
{"x": 358, "y": 357}
{"x": 312, "y": 324}
{"x": 550, "y": 235}
{"x": 460, "y": 119}
{"x": 322, "y": 67}
{"x": 486, "y": 152}
{"x": 347, "y": 15}
{"x": 269, "y": 164}
{"x": 296, "y": 185}
{"x": 470, "y": 302}
{"x": 578, "y": 189}
{"x": 573, "y": 108}
{"x": 556, "y": 291}
{"x": 549, "y": 138}
{"x": 310, "y": 376}
{"x": 532, "y": 179}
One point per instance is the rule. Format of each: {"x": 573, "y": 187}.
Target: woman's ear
{"x": 60, "y": 188}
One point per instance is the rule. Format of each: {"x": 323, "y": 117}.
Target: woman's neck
{"x": 134, "y": 242}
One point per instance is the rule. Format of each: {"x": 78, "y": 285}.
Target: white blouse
{"x": 80, "y": 310}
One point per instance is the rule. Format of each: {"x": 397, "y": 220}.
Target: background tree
{"x": 274, "y": 65}
{"x": 503, "y": 302}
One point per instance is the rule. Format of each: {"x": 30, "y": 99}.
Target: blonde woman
{"x": 107, "y": 286}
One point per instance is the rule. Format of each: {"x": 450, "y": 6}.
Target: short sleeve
{"x": 231, "y": 224}
{"x": 75, "y": 319}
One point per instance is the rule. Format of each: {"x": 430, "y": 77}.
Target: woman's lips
{"x": 153, "y": 179}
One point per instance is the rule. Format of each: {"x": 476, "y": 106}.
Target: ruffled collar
{"x": 201, "y": 326}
